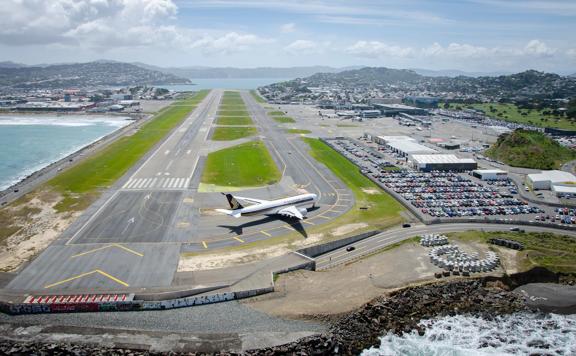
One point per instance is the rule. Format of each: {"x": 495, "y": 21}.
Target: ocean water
{"x": 31, "y": 142}
{"x": 225, "y": 83}
{"x": 516, "y": 334}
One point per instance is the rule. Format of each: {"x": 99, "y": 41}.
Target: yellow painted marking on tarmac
{"x": 289, "y": 227}
{"x": 204, "y": 244}
{"x": 238, "y": 239}
{"x": 265, "y": 233}
{"x": 113, "y": 278}
{"x": 340, "y": 205}
{"x": 325, "y": 217}
{"x": 308, "y": 222}
{"x": 108, "y": 246}
{"x": 119, "y": 281}
{"x": 183, "y": 224}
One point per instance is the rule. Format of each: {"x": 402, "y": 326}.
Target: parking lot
{"x": 440, "y": 194}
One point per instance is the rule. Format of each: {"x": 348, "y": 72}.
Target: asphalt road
{"x": 378, "y": 242}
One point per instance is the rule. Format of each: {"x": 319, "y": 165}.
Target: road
{"x": 378, "y": 242}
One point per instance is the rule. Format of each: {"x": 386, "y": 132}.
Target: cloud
{"x": 107, "y": 24}
{"x": 538, "y": 48}
{"x": 288, "y": 28}
{"x": 534, "y": 48}
{"x": 228, "y": 43}
{"x": 306, "y": 47}
{"x": 375, "y": 49}
{"x": 59, "y": 21}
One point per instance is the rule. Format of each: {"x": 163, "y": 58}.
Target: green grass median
{"x": 229, "y": 133}
{"x": 373, "y": 206}
{"x": 284, "y": 119}
{"x": 234, "y": 120}
{"x": 246, "y": 165}
{"x": 106, "y": 166}
{"x": 298, "y": 131}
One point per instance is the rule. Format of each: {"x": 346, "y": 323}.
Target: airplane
{"x": 287, "y": 207}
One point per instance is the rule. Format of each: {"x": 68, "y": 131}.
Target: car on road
{"x": 406, "y": 225}
{"x": 515, "y": 229}
{"x": 350, "y": 248}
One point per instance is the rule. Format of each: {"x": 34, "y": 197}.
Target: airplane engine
{"x": 303, "y": 211}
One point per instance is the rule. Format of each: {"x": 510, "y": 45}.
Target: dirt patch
{"x": 371, "y": 191}
{"x": 348, "y": 228}
{"x": 235, "y": 258}
{"x": 36, "y": 231}
{"x": 301, "y": 294}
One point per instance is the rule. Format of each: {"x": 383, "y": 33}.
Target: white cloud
{"x": 306, "y": 47}
{"x": 288, "y": 28}
{"x": 228, "y": 43}
{"x": 571, "y": 53}
{"x": 538, "y": 48}
{"x": 106, "y": 24}
{"x": 375, "y": 49}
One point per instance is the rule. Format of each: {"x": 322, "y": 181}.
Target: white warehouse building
{"x": 490, "y": 174}
{"x": 442, "y": 162}
{"x": 546, "y": 180}
{"x": 408, "y": 147}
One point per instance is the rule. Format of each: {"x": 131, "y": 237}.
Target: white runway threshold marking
{"x": 157, "y": 183}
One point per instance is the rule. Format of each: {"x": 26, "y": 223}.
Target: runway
{"x": 133, "y": 235}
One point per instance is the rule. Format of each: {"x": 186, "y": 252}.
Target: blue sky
{"x": 473, "y": 35}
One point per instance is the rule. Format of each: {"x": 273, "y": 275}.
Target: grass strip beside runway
{"x": 106, "y": 166}
{"x": 298, "y": 131}
{"x": 229, "y": 133}
{"x": 554, "y": 252}
{"x": 381, "y": 209}
{"x": 245, "y": 165}
{"x": 234, "y": 120}
{"x": 284, "y": 119}
{"x": 257, "y": 97}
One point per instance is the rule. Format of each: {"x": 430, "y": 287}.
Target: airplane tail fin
{"x": 229, "y": 212}
{"x": 234, "y": 204}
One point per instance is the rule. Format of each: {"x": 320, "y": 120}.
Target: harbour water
{"x": 225, "y": 83}
{"x": 516, "y": 334}
{"x": 31, "y": 142}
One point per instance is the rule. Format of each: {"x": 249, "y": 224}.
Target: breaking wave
{"x": 516, "y": 334}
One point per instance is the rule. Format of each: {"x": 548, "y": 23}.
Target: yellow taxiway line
{"x": 119, "y": 281}
{"x": 108, "y": 246}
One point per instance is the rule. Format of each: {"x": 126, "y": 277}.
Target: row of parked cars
{"x": 448, "y": 194}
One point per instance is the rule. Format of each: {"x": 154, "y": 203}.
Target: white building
{"x": 545, "y": 180}
{"x": 490, "y": 174}
{"x": 442, "y": 162}
{"x": 409, "y": 147}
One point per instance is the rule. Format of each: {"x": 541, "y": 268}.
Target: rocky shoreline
{"x": 399, "y": 312}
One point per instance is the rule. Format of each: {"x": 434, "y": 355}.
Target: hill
{"x": 530, "y": 149}
{"x": 231, "y": 72}
{"x": 529, "y": 84}
{"x": 82, "y": 75}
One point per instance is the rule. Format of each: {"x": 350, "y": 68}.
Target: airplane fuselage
{"x": 272, "y": 207}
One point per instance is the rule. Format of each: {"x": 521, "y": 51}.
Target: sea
{"x": 31, "y": 142}
{"x": 224, "y": 83}
{"x": 524, "y": 333}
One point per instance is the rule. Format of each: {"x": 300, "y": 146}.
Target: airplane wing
{"x": 252, "y": 200}
{"x": 291, "y": 212}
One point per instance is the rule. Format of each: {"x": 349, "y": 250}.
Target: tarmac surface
{"x": 133, "y": 235}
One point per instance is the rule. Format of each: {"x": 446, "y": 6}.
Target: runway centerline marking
{"x": 106, "y": 247}
{"x": 98, "y": 271}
